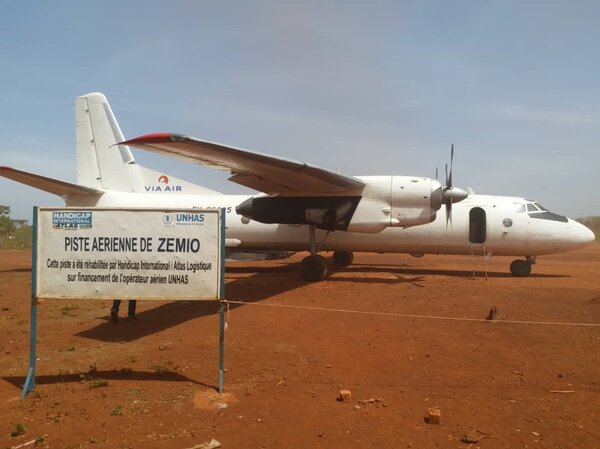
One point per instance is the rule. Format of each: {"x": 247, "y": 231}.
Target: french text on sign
{"x": 130, "y": 253}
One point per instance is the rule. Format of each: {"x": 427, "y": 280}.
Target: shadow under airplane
{"x": 256, "y": 283}
{"x": 407, "y": 269}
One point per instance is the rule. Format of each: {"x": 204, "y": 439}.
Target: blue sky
{"x": 369, "y": 88}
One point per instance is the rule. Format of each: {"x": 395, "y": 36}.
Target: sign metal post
{"x": 30, "y": 380}
{"x": 222, "y": 304}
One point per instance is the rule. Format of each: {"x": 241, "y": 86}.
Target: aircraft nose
{"x": 582, "y": 235}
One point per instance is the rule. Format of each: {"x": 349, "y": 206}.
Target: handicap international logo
{"x": 168, "y": 219}
{"x": 72, "y": 220}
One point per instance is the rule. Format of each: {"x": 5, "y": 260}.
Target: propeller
{"x": 451, "y": 194}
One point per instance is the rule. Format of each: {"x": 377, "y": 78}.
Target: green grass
{"x": 98, "y": 383}
{"x": 19, "y": 429}
{"x": 68, "y": 309}
{"x": 164, "y": 369}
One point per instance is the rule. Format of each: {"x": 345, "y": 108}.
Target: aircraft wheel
{"x": 520, "y": 268}
{"x": 313, "y": 268}
{"x": 343, "y": 258}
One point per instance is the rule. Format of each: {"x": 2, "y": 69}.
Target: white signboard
{"x": 90, "y": 253}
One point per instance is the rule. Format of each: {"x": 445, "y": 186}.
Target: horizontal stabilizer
{"x": 52, "y": 185}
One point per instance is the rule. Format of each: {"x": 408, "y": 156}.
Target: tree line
{"x": 14, "y": 234}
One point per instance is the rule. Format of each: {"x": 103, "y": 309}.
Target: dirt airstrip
{"x": 150, "y": 383}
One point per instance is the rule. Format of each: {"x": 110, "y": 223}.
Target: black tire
{"x": 343, "y": 258}
{"x": 313, "y": 268}
{"x": 520, "y": 268}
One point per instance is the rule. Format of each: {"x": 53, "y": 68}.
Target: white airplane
{"x": 303, "y": 207}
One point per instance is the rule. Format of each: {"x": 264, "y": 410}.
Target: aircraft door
{"x": 477, "y": 226}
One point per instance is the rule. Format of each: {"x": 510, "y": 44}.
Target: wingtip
{"x": 154, "y": 138}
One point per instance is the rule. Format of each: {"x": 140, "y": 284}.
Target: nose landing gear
{"x": 522, "y": 268}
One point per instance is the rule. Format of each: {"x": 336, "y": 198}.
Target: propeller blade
{"x": 436, "y": 173}
{"x": 449, "y": 193}
{"x": 448, "y": 215}
{"x": 451, "y": 160}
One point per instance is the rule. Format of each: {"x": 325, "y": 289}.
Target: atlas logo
{"x": 162, "y": 185}
{"x": 72, "y": 220}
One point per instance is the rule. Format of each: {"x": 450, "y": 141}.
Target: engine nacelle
{"x": 396, "y": 201}
{"x": 385, "y": 201}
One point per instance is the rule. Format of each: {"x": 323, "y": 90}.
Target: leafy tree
{"x": 23, "y": 237}
{"x": 6, "y": 226}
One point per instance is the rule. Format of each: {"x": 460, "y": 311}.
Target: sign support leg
{"x": 221, "y": 344}
{"x": 222, "y": 302}
{"x": 30, "y": 381}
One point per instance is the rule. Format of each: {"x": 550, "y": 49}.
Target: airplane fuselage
{"x": 496, "y": 225}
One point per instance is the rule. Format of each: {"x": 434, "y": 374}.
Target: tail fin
{"x": 102, "y": 164}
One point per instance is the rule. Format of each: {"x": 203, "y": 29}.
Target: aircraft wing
{"x": 269, "y": 174}
{"x": 52, "y": 185}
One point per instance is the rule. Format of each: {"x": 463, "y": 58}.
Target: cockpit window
{"x": 539, "y": 212}
{"x": 519, "y": 208}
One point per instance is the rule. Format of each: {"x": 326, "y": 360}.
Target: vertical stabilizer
{"x": 102, "y": 164}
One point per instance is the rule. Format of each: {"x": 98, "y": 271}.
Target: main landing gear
{"x": 313, "y": 268}
{"x": 522, "y": 268}
{"x": 343, "y": 258}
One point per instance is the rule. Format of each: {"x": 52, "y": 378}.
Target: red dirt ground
{"x": 151, "y": 382}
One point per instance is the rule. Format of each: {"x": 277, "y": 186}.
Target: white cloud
{"x": 552, "y": 116}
